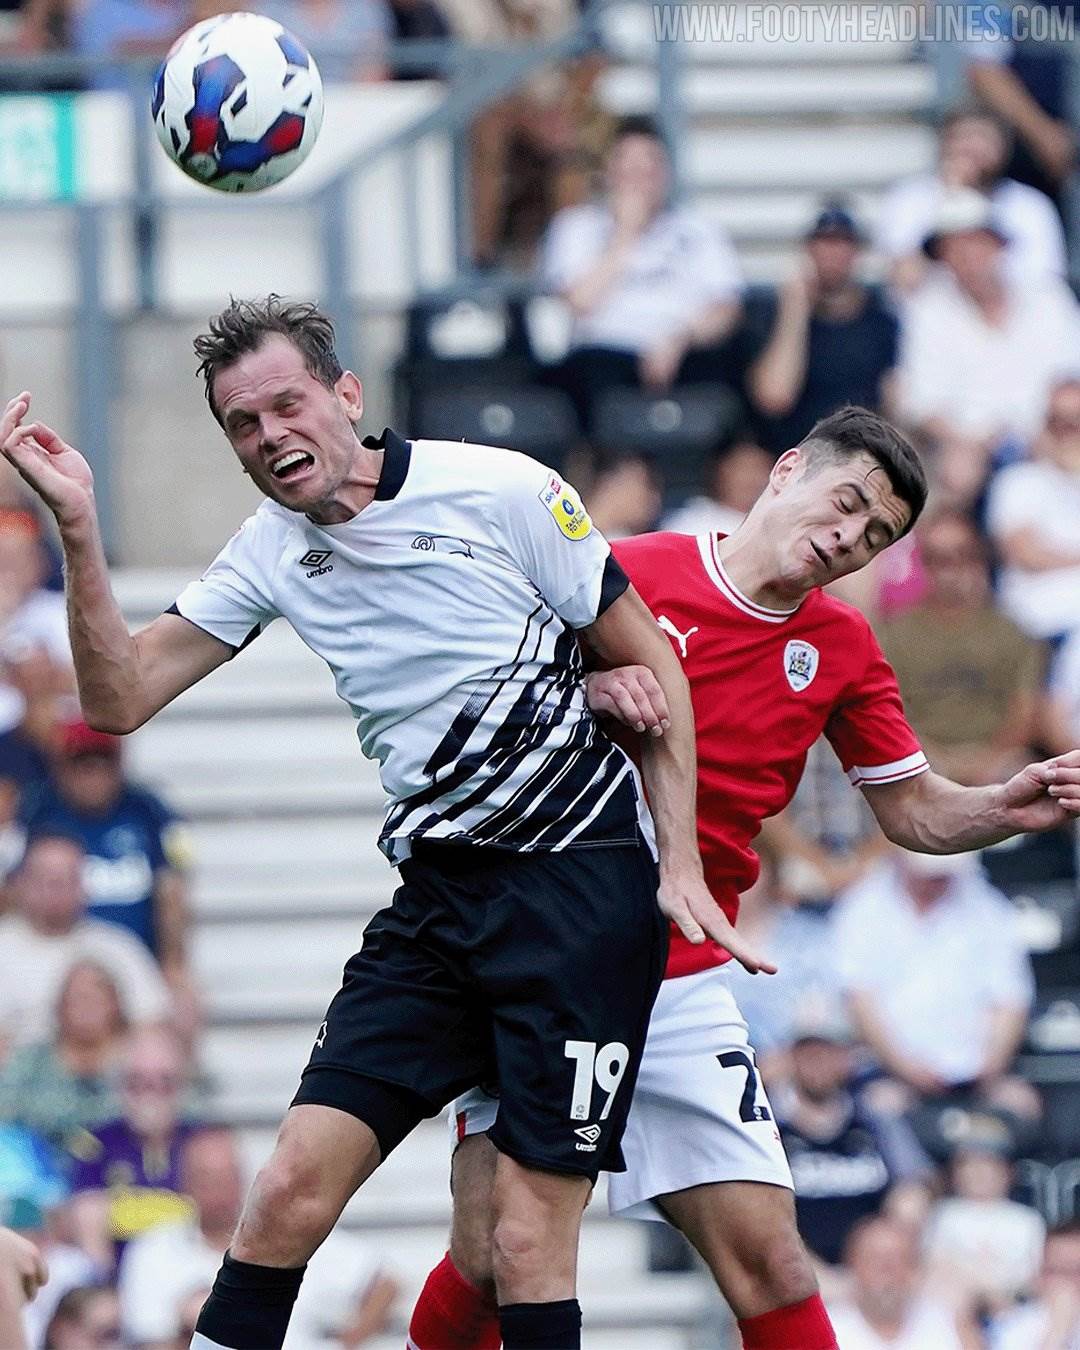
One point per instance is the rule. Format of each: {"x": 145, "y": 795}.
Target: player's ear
{"x": 784, "y": 468}
{"x": 351, "y": 393}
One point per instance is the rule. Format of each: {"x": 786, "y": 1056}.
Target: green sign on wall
{"x": 37, "y": 147}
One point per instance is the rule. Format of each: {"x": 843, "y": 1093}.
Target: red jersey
{"x": 765, "y": 684}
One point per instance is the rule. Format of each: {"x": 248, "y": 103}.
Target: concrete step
{"x": 828, "y": 159}
{"x": 222, "y": 897}
{"x": 795, "y": 89}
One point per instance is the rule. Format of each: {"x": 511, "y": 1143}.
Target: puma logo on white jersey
{"x": 681, "y": 638}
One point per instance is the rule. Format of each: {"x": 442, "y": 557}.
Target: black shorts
{"x": 537, "y": 971}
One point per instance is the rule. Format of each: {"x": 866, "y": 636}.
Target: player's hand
{"x": 685, "y": 899}
{"x": 57, "y": 472}
{"x": 632, "y": 695}
{"x": 1044, "y": 795}
{"x": 23, "y": 1258}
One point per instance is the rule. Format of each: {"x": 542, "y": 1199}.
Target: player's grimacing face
{"x": 830, "y": 517}
{"x": 293, "y": 435}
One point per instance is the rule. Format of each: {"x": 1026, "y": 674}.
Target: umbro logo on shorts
{"x": 590, "y": 1133}
{"x": 315, "y": 559}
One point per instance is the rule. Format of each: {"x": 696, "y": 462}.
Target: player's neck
{"x": 355, "y": 491}
{"x": 750, "y": 566}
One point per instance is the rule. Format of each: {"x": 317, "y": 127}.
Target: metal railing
{"x": 475, "y": 78}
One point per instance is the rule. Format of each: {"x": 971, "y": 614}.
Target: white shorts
{"x": 699, "y": 1112}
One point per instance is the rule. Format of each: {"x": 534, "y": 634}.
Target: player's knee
{"x": 782, "y": 1269}
{"x": 519, "y": 1245}
{"x": 289, "y": 1195}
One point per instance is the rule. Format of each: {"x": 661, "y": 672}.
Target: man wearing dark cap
{"x": 135, "y": 847}
{"x": 831, "y": 339}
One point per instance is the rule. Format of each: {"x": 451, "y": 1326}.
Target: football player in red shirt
{"x": 773, "y": 662}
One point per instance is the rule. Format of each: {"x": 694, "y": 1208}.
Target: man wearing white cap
{"x": 978, "y": 352}
{"x": 937, "y": 980}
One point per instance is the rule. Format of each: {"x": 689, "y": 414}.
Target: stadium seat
{"x": 538, "y": 421}
{"x": 680, "y": 431}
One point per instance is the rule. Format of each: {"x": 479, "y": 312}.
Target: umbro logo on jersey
{"x": 315, "y": 559}
{"x": 681, "y": 638}
{"x": 800, "y": 664}
{"x": 590, "y": 1133}
{"x": 441, "y": 543}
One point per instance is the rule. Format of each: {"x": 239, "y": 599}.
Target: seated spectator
{"x": 653, "y": 288}
{"x": 69, "y": 1268}
{"x": 938, "y": 984}
{"x": 979, "y": 354}
{"x": 48, "y": 931}
{"x": 889, "y": 1307}
{"x": 417, "y": 21}
{"x": 979, "y": 1240}
{"x": 827, "y": 838}
{"x": 345, "y": 1295}
{"x": 625, "y": 496}
{"x": 22, "y": 1272}
{"x": 86, "y": 1318}
{"x": 346, "y": 37}
{"x": 136, "y": 849}
{"x": 832, "y": 341}
{"x": 970, "y": 678}
{"x": 31, "y": 617}
{"x": 120, "y": 29}
{"x": 737, "y": 480}
{"x": 1033, "y": 515}
{"x": 1061, "y": 710}
{"x": 60, "y": 1087}
{"x": 1052, "y": 1320}
{"x": 973, "y": 149}
{"x": 844, "y": 1154}
{"x": 126, "y": 1176}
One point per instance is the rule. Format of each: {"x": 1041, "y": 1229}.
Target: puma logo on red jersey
{"x": 681, "y": 638}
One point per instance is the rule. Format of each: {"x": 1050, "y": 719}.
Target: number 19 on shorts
{"x": 603, "y": 1068}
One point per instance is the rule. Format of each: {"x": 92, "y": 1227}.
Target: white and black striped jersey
{"x": 446, "y": 609}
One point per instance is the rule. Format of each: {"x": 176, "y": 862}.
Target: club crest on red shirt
{"x": 800, "y": 664}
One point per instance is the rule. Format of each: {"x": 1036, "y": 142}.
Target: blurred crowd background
{"x": 921, "y": 1043}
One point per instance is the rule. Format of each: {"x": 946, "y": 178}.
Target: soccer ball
{"x": 238, "y": 103}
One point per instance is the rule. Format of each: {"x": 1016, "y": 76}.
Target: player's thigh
{"x": 473, "y": 1183}
{"x": 700, "y": 1114}
{"x": 571, "y": 984}
{"x": 320, "y": 1158}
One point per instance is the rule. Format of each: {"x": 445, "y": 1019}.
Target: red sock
{"x": 452, "y": 1314}
{"x": 802, "y": 1326}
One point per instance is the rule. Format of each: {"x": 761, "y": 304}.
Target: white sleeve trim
{"x": 873, "y": 775}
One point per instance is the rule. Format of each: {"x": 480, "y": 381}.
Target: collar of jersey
{"x": 719, "y": 576}
{"x": 396, "y": 456}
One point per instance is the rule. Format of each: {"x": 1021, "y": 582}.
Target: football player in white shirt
{"x": 443, "y": 584}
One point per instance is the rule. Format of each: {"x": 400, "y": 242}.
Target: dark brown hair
{"x": 245, "y": 325}
{"x": 857, "y": 431}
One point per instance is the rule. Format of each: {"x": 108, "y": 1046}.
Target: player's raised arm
{"x": 626, "y": 634}
{"x": 123, "y": 680}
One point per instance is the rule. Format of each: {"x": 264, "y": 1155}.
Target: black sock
{"x": 249, "y": 1306}
{"x": 541, "y": 1326}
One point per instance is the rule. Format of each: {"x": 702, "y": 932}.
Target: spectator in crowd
{"x": 978, "y": 1240}
{"x": 1025, "y": 80}
{"x": 1061, "y": 709}
{"x": 22, "y": 1273}
{"x": 973, "y": 149}
{"x": 31, "y": 617}
{"x": 1033, "y": 515}
{"x": 345, "y": 1293}
{"x": 845, "y": 1155}
{"x": 827, "y": 838}
{"x": 346, "y": 37}
{"x": 737, "y": 480}
{"x": 979, "y": 353}
{"x": 970, "y": 677}
{"x": 136, "y": 849}
{"x": 126, "y": 1176}
{"x": 68, "y": 1266}
{"x": 120, "y": 29}
{"x": 625, "y": 496}
{"x": 938, "y": 984}
{"x": 654, "y": 288}
{"x": 1051, "y": 1321}
{"x": 417, "y": 21}
{"x": 889, "y": 1307}
{"x": 63, "y": 1086}
{"x": 832, "y": 341}
{"x": 535, "y": 150}
{"x": 86, "y": 1319}
{"x": 48, "y": 931}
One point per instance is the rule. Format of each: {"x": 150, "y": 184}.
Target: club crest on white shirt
{"x": 800, "y": 664}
